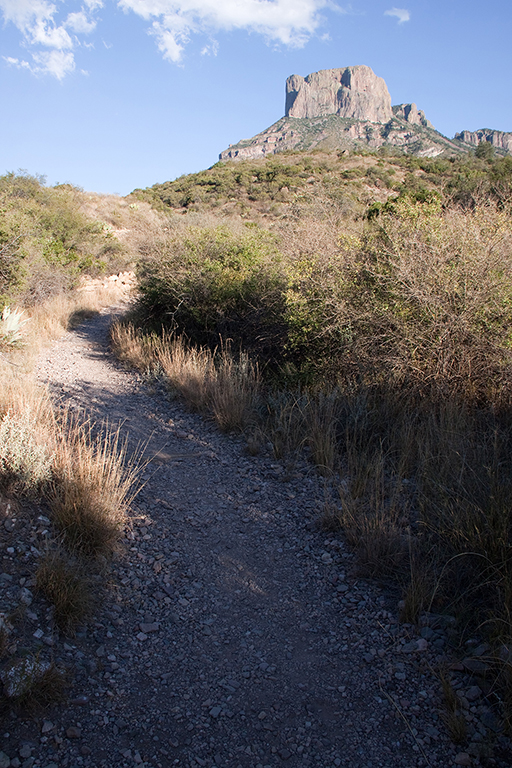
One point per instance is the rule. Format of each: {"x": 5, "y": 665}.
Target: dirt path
{"x": 235, "y": 633}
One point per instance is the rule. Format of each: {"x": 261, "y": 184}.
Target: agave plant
{"x": 11, "y": 324}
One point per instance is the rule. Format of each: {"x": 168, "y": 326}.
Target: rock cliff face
{"x": 350, "y": 108}
{"x": 353, "y": 92}
{"x": 498, "y": 139}
{"x": 411, "y": 114}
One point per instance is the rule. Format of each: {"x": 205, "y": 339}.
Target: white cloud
{"x": 56, "y": 63}
{"x": 44, "y": 33}
{"x": 291, "y": 22}
{"x": 210, "y": 50}
{"x": 16, "y": 62}
{"x": 51, "y": 30}
{"x": 401, "y": 14}
{"x": 46, "y": 37}
{"x": 80, "y": 23}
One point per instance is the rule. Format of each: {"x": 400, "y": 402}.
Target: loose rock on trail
{"x": 234, "y": 631}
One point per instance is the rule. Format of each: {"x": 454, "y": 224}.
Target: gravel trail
{"x": 235, "y": 632}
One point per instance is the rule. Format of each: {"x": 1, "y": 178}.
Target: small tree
{"x": 485, "y": 151}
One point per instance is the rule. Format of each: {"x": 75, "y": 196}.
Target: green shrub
{"x": 46, "y": 240}
{"x": 213, "y": 283}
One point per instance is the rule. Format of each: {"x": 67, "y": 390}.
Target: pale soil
{"x": 234, "y": 631}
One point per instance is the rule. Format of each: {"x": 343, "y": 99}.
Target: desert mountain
{"x": 351, "y": 107}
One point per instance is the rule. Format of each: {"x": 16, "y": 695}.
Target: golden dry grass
{"x": 218, "y": 382}
{"x": 94, "y": 485}
{"x": 66, "y": 584}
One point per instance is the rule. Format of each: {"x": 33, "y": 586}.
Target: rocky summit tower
{"x": 355, "y": 93}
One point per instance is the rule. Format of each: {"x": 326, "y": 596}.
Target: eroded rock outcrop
{"x": 353, "y": 92}
{"x": 498, "y": 139}
{"x": 411, "y": 114}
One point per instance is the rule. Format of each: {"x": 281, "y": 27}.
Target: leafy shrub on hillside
{"x": 420, "y": 297}
{"x": 46, "y": 241}
{"x": 213, "y": 283}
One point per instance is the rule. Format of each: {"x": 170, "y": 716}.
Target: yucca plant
{"x": 11, "y": 324}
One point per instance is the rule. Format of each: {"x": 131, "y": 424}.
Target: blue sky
{"x": 116, "y": 94}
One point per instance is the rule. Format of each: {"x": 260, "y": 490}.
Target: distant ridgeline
{"x": 351, "y": 108}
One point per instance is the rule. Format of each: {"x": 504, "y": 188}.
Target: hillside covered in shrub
{"x": 359, "y": 307}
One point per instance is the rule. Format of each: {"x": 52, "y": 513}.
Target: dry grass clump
{"x": 31, "y": 684}
{"x": 134, "y": 347}
{"x": 214, "y": 381}
{"x": 85, "y": 476}
{"x": 452, "y": 715}
{"x": 188, "y": 370}
{"x": 285, "y": 422}
{"x": 233, "y": 391}
{"x": 373, "y": 523}
{"x": 323, "y": 416}
{"x": 93, "y": 487}
{"x": 217, "y": 381}
{"x": 66, "y": 583}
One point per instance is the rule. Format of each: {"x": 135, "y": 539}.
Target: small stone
{"x": 100, "y": 650}
{"x": 80, "y": 701}
{"x": 5, "y": 760}
{"x": 285, "y": 754}
{"x": 215, "y": 711}
{"x": 38, "y": 634}
{"x": 9, "y": 526}
{"x": 141, "y": 636}
{"x": 476, "y": 666}
{"x": 262, "y": 715}
{"x": 85, "y": 750}
{"x": 463, "y": 759}
{"x": 26, "y": 596}
{"x": 422, "y": 644}
{"x": 137, "y": 758}
{"x": 25, "y": 751}
{"x": 147, "y": 628}
{"x": 473, "y": 693}
{"x": 369, "y": 658}
{"x": 47, "y": 726}
{"x": 73, "y": 732}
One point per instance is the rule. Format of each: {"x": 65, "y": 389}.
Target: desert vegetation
{"x": 77, "y": 472}
{"x": 373, "y": 294}
{"x": 354, "y": 308}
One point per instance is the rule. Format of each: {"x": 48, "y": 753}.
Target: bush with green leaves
{"x": 422, "y": 297}
{"x": 46, "y": 240}
{"x": 214, "y": 283}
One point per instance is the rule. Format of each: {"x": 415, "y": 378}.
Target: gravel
{"x": 234, "y": 631}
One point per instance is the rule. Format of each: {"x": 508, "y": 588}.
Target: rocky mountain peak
{"x": 350, "y": 108}
{"x": 351, "y": 92}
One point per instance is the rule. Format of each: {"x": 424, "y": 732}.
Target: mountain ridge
{"x": 350, "y": 108}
